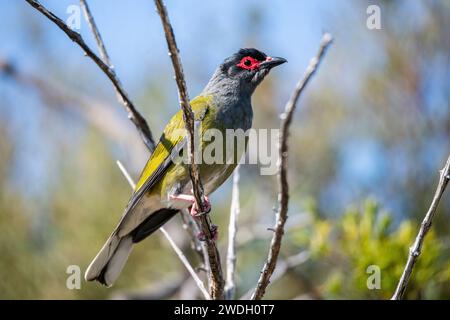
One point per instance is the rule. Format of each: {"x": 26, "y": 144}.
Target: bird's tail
{"x": 109, "y": 262}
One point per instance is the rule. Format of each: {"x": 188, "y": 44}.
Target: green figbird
{"x": 164, "y": 187}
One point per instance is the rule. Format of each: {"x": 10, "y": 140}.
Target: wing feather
{"x": 172, "y": 141}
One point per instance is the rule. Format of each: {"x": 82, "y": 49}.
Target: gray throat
{"x": 233, "y": 101}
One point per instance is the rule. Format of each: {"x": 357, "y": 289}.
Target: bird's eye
{"x": 248, "y": 63}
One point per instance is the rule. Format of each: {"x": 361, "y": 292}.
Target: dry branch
{"x": 216, "y": 277}
{"x": 98, "y": 38}
{"x": 283, "y": 195}
{"x": 284, "y": 266}
{"x": 133, "y": 114}
{"x": 415, "y": 250}
{"x": 186, "y": 263}
{"x": 89, "y": 109}
{"x": 192, "y": 230}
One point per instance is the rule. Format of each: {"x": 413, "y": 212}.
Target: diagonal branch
{"x": 283, "y": 195}
{"x": 59, "y": 98}
{"x": 216, "y": 277}
{"x": 186, "y": 263}
{"x": 230, "y": 286}
{"x": 415, "y": 250}
{"x": 174, "y": 246}
{"x": 133, "y": 114}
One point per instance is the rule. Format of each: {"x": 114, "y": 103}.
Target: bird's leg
{"x": 190, "y": 198}
{"x": 194, "y": 213}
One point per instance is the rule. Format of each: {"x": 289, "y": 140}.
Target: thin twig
{"x": 192, "y": 229}
{"x": 186, "y": 264}
{"x": 177, "y": 250}
{"x": 284, "y": 266}
{"x": 283, "y": 195}
{"x": 98, "y": 38}
{"x": 216, "y": 277}
{"x": 230, "y": 286}
{"x": 59, "y": 98}
{"x": 126, "y": 175}
{"x": 133, "y": 114}
{"x": 415, "y": 250}
{"x": 256, "y": 232}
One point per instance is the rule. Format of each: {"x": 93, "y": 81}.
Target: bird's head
{"x": 244, "y": 70}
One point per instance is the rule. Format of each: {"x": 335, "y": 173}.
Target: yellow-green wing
{"x": 172, "y": 138}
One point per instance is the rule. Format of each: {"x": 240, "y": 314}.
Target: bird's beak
{"x": 272, "y": 62}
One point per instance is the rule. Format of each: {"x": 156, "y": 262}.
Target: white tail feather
{"x": 109, "y": 262}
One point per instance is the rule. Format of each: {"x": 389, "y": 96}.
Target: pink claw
{"x": 194, "y": 211}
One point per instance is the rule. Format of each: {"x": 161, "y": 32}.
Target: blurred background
{"x": 369, "y": 138}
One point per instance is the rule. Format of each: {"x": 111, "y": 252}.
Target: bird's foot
{"x": 194, "y": 210}
{"x": 214, "y": 234}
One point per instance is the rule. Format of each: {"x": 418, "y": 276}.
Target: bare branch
{"x": 133, "y": 114}
{"x": 126, "y": 175}
{"x": 217, "y": 282}
{"x": 415, "y": 250}
{"x": 256, "y": 231}
{"x": 177, "y": 250}
{"x": 230, "y": 286}
{"x": 186, "y": 264}
{"x": 192, "y": 229}
{"x": 98, "y": 38}
{"x": 60, "y": 98}
{"x": 283, "y": 195}
{"x": 284, "y": 267}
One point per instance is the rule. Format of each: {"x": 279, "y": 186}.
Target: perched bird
{"x": 164, "y": 186}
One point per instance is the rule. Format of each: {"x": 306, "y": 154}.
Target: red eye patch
{"x": 248, "y": 63}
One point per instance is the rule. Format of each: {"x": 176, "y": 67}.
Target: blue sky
{"x": 205, "y": 33}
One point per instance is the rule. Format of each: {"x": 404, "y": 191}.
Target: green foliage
{"x": 366, "y": 236}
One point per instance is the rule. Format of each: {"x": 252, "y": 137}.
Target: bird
{"x": 164, "y": 186}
